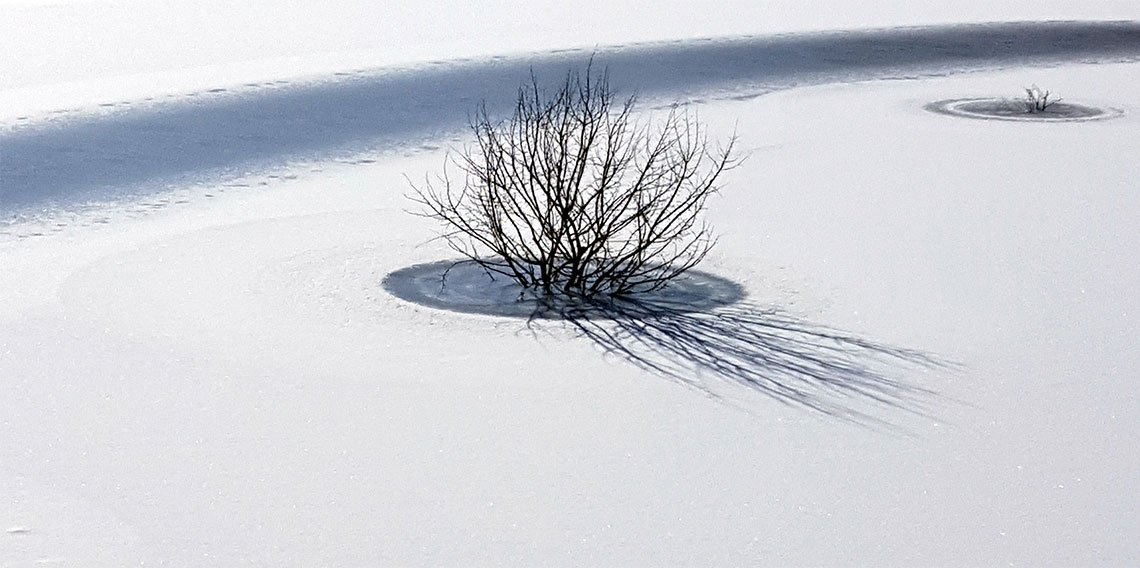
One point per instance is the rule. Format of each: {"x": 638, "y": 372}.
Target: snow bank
{"x": 214, "y": 375}
{"x": 225, "y": 133}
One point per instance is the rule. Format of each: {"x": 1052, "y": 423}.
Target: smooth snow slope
{"x": 213, "y": 375}
{"x": 225, "y": 134}
{"x": 224, "y": 381}
{"x": 149, "y": 45}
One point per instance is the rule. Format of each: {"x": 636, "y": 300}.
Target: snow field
{"x": 224, "y": 381}
{"x": 209, "y": 373}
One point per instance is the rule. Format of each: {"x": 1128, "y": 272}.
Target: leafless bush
{"x": 1037, "y": 100}
{"x": 571, "y": 196}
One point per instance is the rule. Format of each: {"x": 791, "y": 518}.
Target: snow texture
{"x": 923, "y": 351}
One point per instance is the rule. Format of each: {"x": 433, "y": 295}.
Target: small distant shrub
{"x": 570, "y": 196}
{"x": 1037, "y": 100}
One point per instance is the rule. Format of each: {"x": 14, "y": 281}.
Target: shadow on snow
{"x": 138, "y": 152}
{"x": 762, "y": 349}
{"x": 700, "y": 332}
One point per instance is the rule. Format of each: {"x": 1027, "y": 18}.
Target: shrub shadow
{"x": 702, "y": 333}
{"x": 762, "y": 349}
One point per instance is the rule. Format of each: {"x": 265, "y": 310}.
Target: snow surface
{"x": 204, "y": 370}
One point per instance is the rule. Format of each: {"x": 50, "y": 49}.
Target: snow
{"x": 199, "y": 364}
{"x": 221, "y": 133}
{"x": 66, "y": 53}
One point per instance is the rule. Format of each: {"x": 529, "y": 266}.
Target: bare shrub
{"x": 1037, "y": 100}
{"x": 571, "y": 196}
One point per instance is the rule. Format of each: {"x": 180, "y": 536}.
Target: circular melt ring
{"x": 1016, "y": 110}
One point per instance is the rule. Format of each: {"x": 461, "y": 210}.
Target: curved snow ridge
{"x": 196, "y": 138}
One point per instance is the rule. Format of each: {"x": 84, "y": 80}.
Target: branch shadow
{"x": 702, "y": 333}
{"x": 763, "y": 349}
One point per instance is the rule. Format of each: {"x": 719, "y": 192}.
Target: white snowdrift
{"x": 61, "y": 53}
{"x": 222, "y": 133}
{"x": 214, "y": 376}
